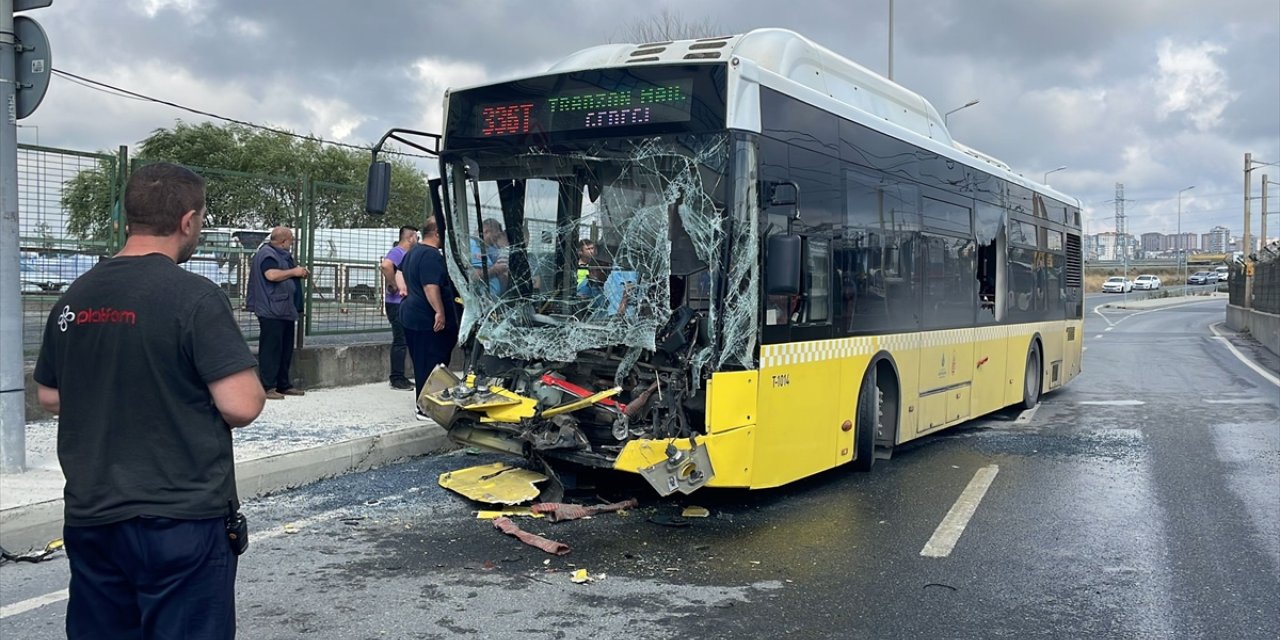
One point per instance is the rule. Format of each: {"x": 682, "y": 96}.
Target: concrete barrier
{"x": 1264, "y": 327}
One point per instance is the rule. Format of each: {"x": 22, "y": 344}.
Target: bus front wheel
{"x": 1032, "y": 378}
{"x": 870, "y": 398}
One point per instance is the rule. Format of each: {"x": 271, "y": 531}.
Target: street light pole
{"x": 1182, "y": 242}
{"x": 1045, "y": 179}
{"x": 963, "y": 106}
{"x": 890, "y": 39}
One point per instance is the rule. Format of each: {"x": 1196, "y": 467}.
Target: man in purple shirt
{"x": 395, "y": 295}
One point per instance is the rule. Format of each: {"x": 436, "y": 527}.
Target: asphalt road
{"x": 1139, "y": 502}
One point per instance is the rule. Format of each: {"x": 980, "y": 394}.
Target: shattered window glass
{"x": 559, "y": 251}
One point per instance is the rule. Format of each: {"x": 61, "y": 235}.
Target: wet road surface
{"x": 1143, "y": 501}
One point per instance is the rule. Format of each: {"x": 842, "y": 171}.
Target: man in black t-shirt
{"x": 428, "y": 314}
{"x": 148, "y": 371}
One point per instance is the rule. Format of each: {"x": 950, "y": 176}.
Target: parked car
{"x": 1117, "y": 284}
{"x": 1223, "y": 273}
{"x": 1203, "y": 277}
{"x": 35, "y": 280}
{"x": 1146, "y": 282}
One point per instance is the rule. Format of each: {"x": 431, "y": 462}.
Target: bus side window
{"x": 816, "y": 308}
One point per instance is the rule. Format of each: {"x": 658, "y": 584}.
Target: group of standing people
{"x": 421, "y": 306}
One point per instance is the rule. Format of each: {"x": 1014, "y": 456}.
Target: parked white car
{"x": 1117, "y": 284}
{"x": 1223, "y": 273}
{"x": 1146, "y": 282}
{"x": 35, "y": 280}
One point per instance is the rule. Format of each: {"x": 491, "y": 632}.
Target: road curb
{"x": 34, "y": 525}
{"x": 1159, "y": 303}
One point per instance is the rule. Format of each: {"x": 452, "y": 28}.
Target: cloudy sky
{"x": 1155, "y": 94}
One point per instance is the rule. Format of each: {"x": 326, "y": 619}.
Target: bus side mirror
{"x": 378, "y": 188}
{"x": 782, "y": 265}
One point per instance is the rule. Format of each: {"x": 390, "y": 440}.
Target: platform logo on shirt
{"x": 101, "y": 315}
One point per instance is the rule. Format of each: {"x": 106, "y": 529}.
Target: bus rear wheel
{"x": 1032, "y": 378}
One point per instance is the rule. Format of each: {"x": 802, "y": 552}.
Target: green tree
{"x": 255, "y": 179}
{"x": 667, "y": 25}
{"x": 88, "y": 198}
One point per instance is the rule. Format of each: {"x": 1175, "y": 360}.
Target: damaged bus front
{"x": 602, "y": 237}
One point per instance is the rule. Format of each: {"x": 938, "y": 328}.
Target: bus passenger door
{"x": 946, "y": 351}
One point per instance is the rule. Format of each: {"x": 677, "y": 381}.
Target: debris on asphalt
{"x": 560, "y": 511}
{"x": 53, "y": 547}
{"x": 668, "y": 520}
{"x": 580, "y": 576}
{"x": 496, "y": 483}
{"x": 522, "y": 512}
{"x": 695, "y": 512}
{"x": 505, "y": 525}
{"x": 291, "y": 528}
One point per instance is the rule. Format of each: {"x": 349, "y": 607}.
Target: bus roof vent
{"x": 703, "y": 49}
{"x": 647, "y": 51}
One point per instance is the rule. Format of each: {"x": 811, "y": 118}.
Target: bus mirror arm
{"x": 782, "y": 194}
{"x": 378, "y": 187}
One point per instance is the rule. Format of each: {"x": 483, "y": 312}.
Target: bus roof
{"x": 801, "y": 61}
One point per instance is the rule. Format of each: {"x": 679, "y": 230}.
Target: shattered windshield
{"x": 560, "y": 251}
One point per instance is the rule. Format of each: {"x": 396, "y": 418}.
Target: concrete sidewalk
{"x": 295, "y": 441}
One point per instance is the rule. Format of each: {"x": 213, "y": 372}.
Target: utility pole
{"x": 13, "y": 408}
{"x": 24, "y": 77}
{"x": 1248, "y": 166}
{"x": 1263, "y": 213}
{"x": 1121, "y": 233}
{"x": 1249, "y": 163}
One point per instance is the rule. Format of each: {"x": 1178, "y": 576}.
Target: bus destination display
{"x": 636, "y": 103}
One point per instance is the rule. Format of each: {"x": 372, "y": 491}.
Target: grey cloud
{"x": 1005, "y": 52}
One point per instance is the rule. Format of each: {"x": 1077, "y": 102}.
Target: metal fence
{"x": 1266, "y": 281}
{"x": 344, "y": 295}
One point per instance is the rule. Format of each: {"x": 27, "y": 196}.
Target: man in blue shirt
{"x": 489, "y": 253}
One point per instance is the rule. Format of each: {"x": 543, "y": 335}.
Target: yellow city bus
{"x": 738, "y": 262}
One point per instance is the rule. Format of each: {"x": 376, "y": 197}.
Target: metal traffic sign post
{"x": 25, "y": 66}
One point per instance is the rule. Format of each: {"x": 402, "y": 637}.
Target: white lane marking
{"x": 297, "y": 526}
{"x": 1108, "y": 328}
{"x": 1098, "y": 337}
{"x": 1241, "y": 357}
{"x": 1239, "y": 401}
{"x": 1172, "y": 306}
{"x": 948, "y": 532}
{"x": 1113, "y": 403}
{"x": 32, "y": 603}
{"x": 1103, "y": 315}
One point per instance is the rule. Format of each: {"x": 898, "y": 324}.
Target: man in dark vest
{"x": 275, "y": 297}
